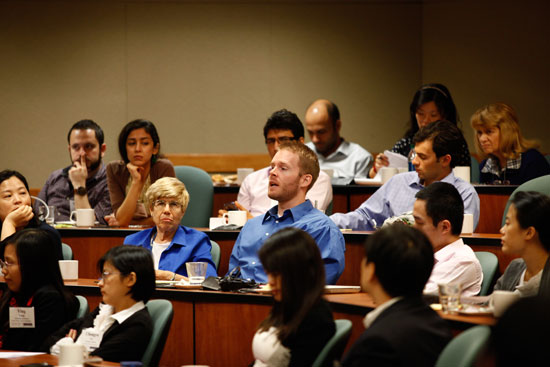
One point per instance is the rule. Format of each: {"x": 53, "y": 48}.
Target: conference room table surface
{"x": 44, "y": 360}
{"x": 89, "y": 244}
{"x": 216, "y": 328}
{"x": 346, "y": 198}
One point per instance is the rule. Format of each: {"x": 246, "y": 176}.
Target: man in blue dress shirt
{"x": 436, "y": 147}
{"x": 294, "y": 169}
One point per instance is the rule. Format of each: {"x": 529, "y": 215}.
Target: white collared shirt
{"x": 350, "y": 160}
{"x": 456, "y": 262}
{"x": 371, "y": 316}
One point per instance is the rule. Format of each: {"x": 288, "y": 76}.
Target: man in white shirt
{"x": 438, "y": 212}
{"x": 282, "y": 126}
{"x": 346, "y": 159}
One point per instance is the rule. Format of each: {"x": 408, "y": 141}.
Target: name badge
{"x": 90, "y": 338}
{"x": 22, "y": 317}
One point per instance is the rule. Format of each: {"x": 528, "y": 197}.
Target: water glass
{"x": 449, "y": 297}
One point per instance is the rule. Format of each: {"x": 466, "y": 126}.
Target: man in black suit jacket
{"x": 402, "y": 330}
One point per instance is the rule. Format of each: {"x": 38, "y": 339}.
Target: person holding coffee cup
{"x": 35, "y": 296}
{"x": 16, "y": 212}
{"x": 526, "y": 233}
{"x": 119, "y": 329}
{"x": 172, "y": 244}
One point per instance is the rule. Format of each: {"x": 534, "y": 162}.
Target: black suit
{"x": 408, "y": 333}
{"x": 121, "y": 342}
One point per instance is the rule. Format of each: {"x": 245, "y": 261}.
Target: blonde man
{"x": 171, "y": 244}
{"x": 294, "y": 170}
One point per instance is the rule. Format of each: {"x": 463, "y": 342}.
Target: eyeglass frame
{"x": 173, "y": 205}
{"x": 281, "y": 139}
{"x": 105, "y": 274}
{"x": 5, "y": 264}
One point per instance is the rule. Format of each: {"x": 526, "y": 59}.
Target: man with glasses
{"x": 84, "y": 182}
{"x": 436, "y": 147}
{"x": 282, "y": 126}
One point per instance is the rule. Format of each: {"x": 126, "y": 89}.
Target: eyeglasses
{"x": 162, "y": 204}
{"x": 5, "y": 264}
{"x": 106, "y": 274}
{"x": 282, "y": 139}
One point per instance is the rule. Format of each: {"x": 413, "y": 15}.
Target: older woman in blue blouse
{"x": 172, "y": 245}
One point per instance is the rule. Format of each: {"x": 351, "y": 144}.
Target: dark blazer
{"x": 408, "y": 333}
{"x": 121, "y": 342}
{"x": 533, "y": 165}
{"x": 50, "y": 313}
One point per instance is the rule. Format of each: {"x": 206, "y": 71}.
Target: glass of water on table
{"x": 196, "y": 272}
{"x": 449, "y": 297}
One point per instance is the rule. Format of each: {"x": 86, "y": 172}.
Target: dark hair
{"x": 403, "y": 259}
{"x": 443, "y": 202}
{"x": 520, "y": 337}
{"x": 440, "y": 95}
{"x": 85, "y": 125}
{"x": 533, "y": 210}
{"x": 446, "y": 139}
{"x": 7, "y": 174}
{"x": 294, "y": 255}
{"x": 38, "y": 263}
{"x": 134, "y": 125}
{"x": 284, "y": 120}
{"x": 127, "y": 259}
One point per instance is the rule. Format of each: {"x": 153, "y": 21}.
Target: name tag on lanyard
{"x": 22, "y": 317}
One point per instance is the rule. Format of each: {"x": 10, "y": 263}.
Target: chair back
{"x": 474, "y": 170}
{"x": 215, "y": 252}
{"x": 83, "y": 308}
{"x": 540, "y": 184}
{"x": 201, "y": 195}
{"x": 335, "y": 346}
{"x": 161, "y": 312}
{"x": 465, "y": 348}
{"x": 67, "y": 252}
{"x": 489, "y": 266}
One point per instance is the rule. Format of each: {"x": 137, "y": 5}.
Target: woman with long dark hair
{"x": 35, "y": 288}
{"x": 300, "y": 323}
{"x": 431, "y": 102}
{"x": 129, "y": 179}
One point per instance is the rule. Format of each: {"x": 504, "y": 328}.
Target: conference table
{"x": 216, "y": 328}
{"x": 44, "y": 360}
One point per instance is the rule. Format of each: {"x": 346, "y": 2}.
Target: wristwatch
{"x": 80, "y": 191}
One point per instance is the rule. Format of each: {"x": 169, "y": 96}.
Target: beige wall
{"x": 208, "y": 74}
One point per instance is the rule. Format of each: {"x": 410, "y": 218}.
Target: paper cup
{"x": 69, "y": 269}
{"x": 71, "y": 354}
{"x": 468, "y": 224}
{"x": 386, "y": 173}
{"x": 216, "y": 222}
{"x": 462, "y": 172}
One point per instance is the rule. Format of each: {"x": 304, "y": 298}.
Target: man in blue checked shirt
{"x": 436, "y": 145}
{"x": 294, "y": 169}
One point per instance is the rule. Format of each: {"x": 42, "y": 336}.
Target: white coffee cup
{"x": 236, "y": 217}
{"x": 501, "y": 300}
{"x": 72, "y": 354}
{"x": 215, "y": 222}
{"x": 242, "y": 173}
{"x": 462, "y": 172}
{"x": 84, "y": 217}
{"x": 69, "y": 269}
{"x": 386, "y": 173}
{"x": 468, "y": 224}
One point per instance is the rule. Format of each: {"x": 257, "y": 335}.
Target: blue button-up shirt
{"x": 397, "y": 197}
{"x": 188, "y": 245}
{"x": 304, "y": 216}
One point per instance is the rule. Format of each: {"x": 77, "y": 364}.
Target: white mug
{"x": 84, "y": 217}
{"x": 501, "y": 300}
{"x": 386, "y": 173}
{"x": 468, "y": 224}
{"x": 69, "y": 269}
{"x": 236, "y": 217}
{"x": 71, "y": 354}
{"x": 462, "y": 172}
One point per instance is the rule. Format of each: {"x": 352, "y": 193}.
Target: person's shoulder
{"x": 163, "y": 162}
{"x": 532, "y": 155}
{"x": 138, "y": 235}
{"x": 195, "y": 233}
{"x": 357, "y": 149}
{"x": 115, "y": 167}
{"x": 47, "y": 292}
{"x": 57, "y": 175}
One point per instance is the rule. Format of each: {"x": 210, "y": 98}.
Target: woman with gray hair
{"x": 172, "y": 244}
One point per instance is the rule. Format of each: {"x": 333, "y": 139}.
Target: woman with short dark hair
{"x": 300, "y": 323}
{"x": 129, "y": 179}
{"x": 120, "y": 328}
{"x": 31, "y": 271}
{"x": 526, "y": 233}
